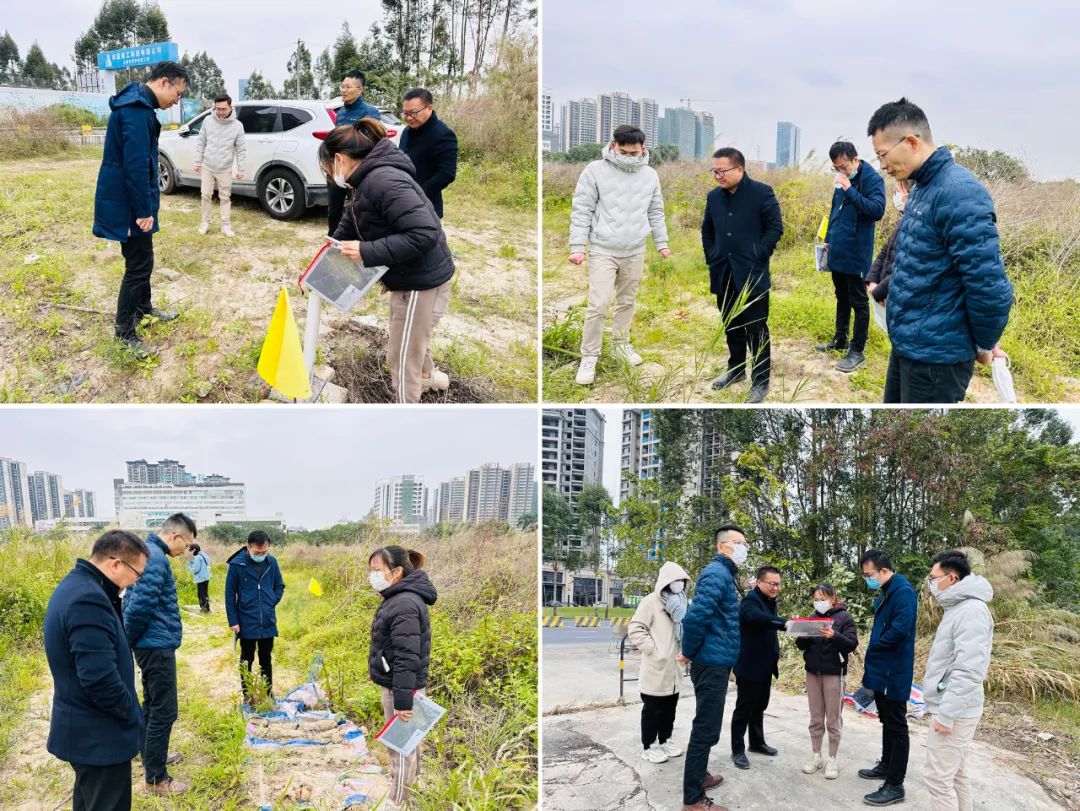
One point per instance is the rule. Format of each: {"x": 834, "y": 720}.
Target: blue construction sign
{"x": 138, "y": 56}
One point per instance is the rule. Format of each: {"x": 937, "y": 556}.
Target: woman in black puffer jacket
{"x": 391, "y": 222}
{"x": 400, "y": 651}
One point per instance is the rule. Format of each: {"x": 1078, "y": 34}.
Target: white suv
{"x": 282, "y": 168}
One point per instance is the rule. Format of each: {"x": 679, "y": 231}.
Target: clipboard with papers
{"x": 339, "y": 280}
{"x": 404, "y": 736}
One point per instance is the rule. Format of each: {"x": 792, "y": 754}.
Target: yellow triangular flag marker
{"x": 281, "y": 361}
{"x": 824, "y": 229}
{"x": 315, "y": 588}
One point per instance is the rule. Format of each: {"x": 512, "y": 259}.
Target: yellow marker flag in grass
{"x": 824, "y": 229}
{"x": 281, "y": 361}
{"x": 315, "y": 588}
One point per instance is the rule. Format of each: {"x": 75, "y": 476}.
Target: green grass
{"x": 582, "y": 611}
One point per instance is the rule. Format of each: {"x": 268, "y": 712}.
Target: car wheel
{"x": 281, "y": 194}
{"x": 166, "y": 175}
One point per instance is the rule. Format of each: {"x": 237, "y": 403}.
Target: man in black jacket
{"x": 759, "y": 652}
{"x": 430, "y": 145}
{"x": 95, "y": 710}
{"x": 741, "y": 229}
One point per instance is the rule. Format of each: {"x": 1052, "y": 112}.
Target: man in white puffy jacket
{"x": 220, "y": 146}
{"x": 617, "y": 203}
{"x": 955, "y": 671}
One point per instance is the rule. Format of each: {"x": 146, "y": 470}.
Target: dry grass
{"x": 33, "y": 134}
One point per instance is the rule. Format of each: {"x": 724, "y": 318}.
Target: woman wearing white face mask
{"x": 391, "y": 222}
{"x": 656, "y": 630}
{"x": 877, "y": 280}
{"x": 826, "y": 659}
{"x": 400, "y": 650}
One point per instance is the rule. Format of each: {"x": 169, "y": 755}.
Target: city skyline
{"x": 313, "y": 472}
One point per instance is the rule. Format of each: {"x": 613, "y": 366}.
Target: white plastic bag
{"x": 1003, "y": 382}
{"x": 879, "y": 316}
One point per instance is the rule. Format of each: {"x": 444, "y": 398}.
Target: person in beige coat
{"x": 656, "y": 631}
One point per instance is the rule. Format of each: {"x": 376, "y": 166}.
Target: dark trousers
{"x": 102, "y": 788}
{"x": 851, "y": 297}
{"x": 710, "y": 692}
{"x": 751, "y": 700}
{"x": 657, "y": 718}
{"x": 134, "y": 299}
{"x": 894, "y": 738}
{"x": 748, "y": 330}
{"x": 204, "y": 594}
{"x": 247, "y": 659}
{"x": 912, "y": 381}
{"x": 336, "y": 198}
{"x": 159, "y": 709}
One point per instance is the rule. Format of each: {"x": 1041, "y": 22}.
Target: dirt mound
{"x": 357, "y": 353}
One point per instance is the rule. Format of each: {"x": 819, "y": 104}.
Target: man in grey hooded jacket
{"x": 955, "y": 671}
{"x": 617, "y": 203}
{"x": 220, "y": 145}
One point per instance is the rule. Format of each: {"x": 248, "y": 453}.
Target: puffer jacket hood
{"x": 625, "y": 163}
{"x": 400, "y": 652}
{"x": 669, "y": 573}
{"x": 136, "y": 94}
{"x": 384, "y": 153}
{"x": 960, "y": 656}
{"x": 416, "y": 582}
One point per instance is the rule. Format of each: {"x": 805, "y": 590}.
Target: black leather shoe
{"x": 758, "y": 392}
{"x": 876, "y": 773}
{"x": 764, "y": 749}
{"x": 835, "y": 344}
{"x": 850, "y": 362}
{"x": 728, "y": 378}
{"x": 741, "y": 760}
{"x": 886, "y": 795}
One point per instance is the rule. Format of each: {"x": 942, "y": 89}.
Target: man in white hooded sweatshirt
{"x": 617, "y": 203}
{"x": 220, "y": 145}
{"x": 955, "y": 671}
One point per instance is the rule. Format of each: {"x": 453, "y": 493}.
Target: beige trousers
{"x": 403, "y": 771}
{"x": 223, "y": 181}
{"x": 826, "y": 697}
{"x": 610, "y": 278}
{"x": 945, "y": 772}
{"x": 413, "y": 317}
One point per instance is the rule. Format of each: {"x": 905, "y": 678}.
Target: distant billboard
{"x": 138, "y": 56}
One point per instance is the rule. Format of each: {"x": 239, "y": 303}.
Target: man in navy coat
{"x": 95, "y": 710}
{"x": 858, "y": 203}
{"x": 888, "y": 669}
{"x": 741, "y": 229}
{"x": 253, "y": 588}
{"x": 127, "y": 198}
{"x": 430, "y": 144}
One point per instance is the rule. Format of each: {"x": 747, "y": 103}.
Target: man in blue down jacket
{"x": 888, "y": 669}
{"x": 710, "y": 644}
{"x": 949, "y": 298}
{"x": 858, "y": 203}
{"x": 127, "y": 198}
{"x": 154, "y": 631}
{"x": 95, "y": 710}
{"x": 253, "y": 588}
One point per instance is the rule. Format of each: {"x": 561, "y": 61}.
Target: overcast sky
{"x": 990, "y": 73}
{"x": 314, "y": 465}
{"x": 613, "y": 442}
{"x": 241, "y": 35}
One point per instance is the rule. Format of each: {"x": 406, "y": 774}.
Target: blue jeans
{"x": 710, "y": 689}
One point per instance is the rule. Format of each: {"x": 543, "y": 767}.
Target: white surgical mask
{"x": 339, "y": 176}
{"x": 739, "y": 554}
{"x": 898, "y": 200}
{"x": 676, "y": 587}
{"x": 821, "y": 606}
{"x": 378, "y": 580}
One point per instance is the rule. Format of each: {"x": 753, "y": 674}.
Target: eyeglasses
{"x": 719, "y": 173}
{"x": 138, "y": 573}
{"x": 770, "y": 585}
{"x": 414, "y": 113}
{"x": 881, "y": 155}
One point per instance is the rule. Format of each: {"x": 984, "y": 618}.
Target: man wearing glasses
{"x": 430, "y": 144}
{"x": 127, "y": 198}
{"x": 949, "y": 298}
{"x": 759, "y": 653}
{"x": 154, "y": 631}
{"x": 95, "y": 724}
{"x": 741, "y": 229}
{"x": 352, "y": 110}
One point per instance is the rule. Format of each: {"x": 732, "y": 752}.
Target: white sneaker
{"x": 813, "y": 764}
{"x": 654, "y": 754}
{"x": 439, "y": 381}
{"x": 832, "y": 771}
{"x": 586, "y": 372}
{"x": 227, "y": 231}
{"x": 625, "y": 351}
{"x": 670, "y": 749}
{"x": 204, "y": 227}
